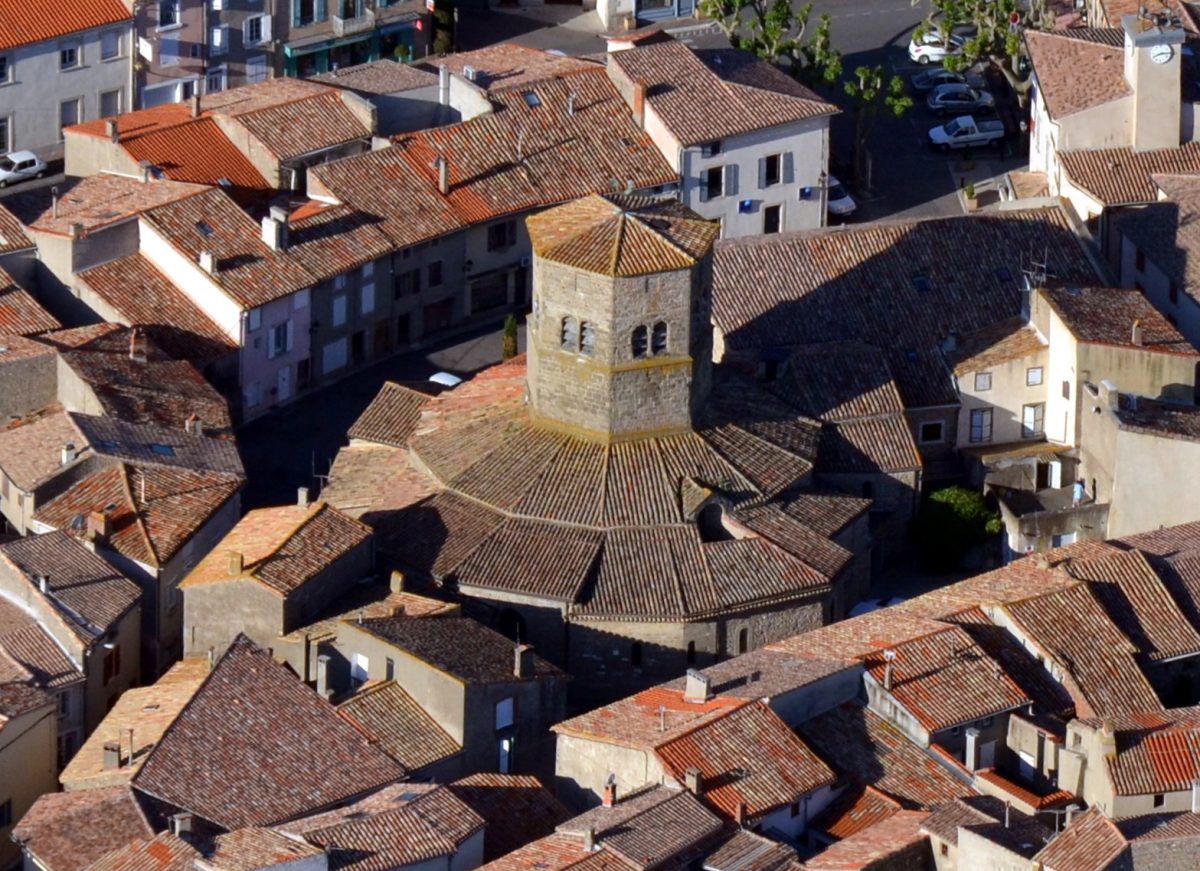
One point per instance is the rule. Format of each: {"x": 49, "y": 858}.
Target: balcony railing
{"x": 357, "y": 24}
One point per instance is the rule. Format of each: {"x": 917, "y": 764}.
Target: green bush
{"x": 970, "y": 190}
{"x": 509, "y": 348}
{"x": 951, "y": 522}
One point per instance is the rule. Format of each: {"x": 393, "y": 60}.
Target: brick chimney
{"x": 639, "y": 104}
{"x": 742, "y": 813}
{"x": 236, "y": 564}
{"x": 110, "y": 127}
{"x": 698, "y": 688}
{"x": 608, "y": 798}
{"x": 523, "y": 661}
{"x": 98, "y": 526}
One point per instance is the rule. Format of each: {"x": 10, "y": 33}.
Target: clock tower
{"x": 1153, "y": 65}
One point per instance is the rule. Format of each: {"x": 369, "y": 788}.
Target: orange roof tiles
{"x": 1106, "y": 316}
{"x": 857, "y": 808}
{"x": 23, "y": 23}
{"x": 1091, "y": 842}
{"x": 515, "y": 808}
{"x": 507, "y": 66}
{"x": 552, "y": 853}
{"x": 20, "y": 313}
{"x": 1074, "y": 74}
{"x": 647, "y": 719}
{"x": 895, "y": 842}
{"x": 104, "y": 199}
{"x": 68, "y": 831}
{"x": 197, "y": 151}
{"x": 1122, "y": 176}
{"x": 996, "y": 345}
{"x": 163, "y": 852}
{"x": 12, "y": 233}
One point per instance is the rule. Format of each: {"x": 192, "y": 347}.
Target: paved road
{"x": 34, "y": 184}
{"x": 864, "y": 26}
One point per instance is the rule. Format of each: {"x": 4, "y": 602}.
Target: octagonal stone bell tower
{"x": 620, "y": 341}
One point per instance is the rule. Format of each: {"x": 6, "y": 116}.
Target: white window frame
{"x": 120, "y": 92}
{"x": 221, "y": 75}
{"x": 65, "y": 47}
{"x": 78, "y": 101}
{"x": 264, "y": 30}
{"x": 159, "y": 26}
{"x": 983, "y": 382}
{"x": 218, "y": 40}
{"x": 360, "y": 668}
{"x": 1032, "y": 380}
{"x": 987, "y": 422}
{"x": 6, "y": 137}
{"x": 279, "y": 339}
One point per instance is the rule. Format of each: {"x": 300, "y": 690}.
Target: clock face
{"x": 1160, "y": 54}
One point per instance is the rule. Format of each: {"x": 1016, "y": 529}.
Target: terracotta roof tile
{"x": 1168, "y": 232}
{"x": 259, "y": 761}
{"x": 995, "y": 345}
{"x": 102, "y": 200}
{"x": 862, "y": 746}
{"x": 68, "y": 831}
{"x": 379, "y": 77}
{"x": 22, "y": 24}
{"x": 749, "y": 756}
{"x": 1122, "y": 176}
{"x": 12, "y": 233}
{"x": 825, "y": 513}
{"x": 163, "y": 852}
{"x": 20, "y": 313}
{"x": 1091, "y": 842}
{"x": 747, "y": 851}
{"x": 552, "y": 853}
{"x": 516, "y": 810}
{"x": 282, "y": 547}
{"x": 647, "y": 719}
{"x": 31, "y": 452}
{"x": 252, "y": 849}
{"x": 398, "y": 725}
{"x": 37, "y": 653}
{"x": 885, "y": 285}
{"x": 250, "y": 272}
{"x": 392, "y": 417}
{"x": 140, "y": 295}
{"x": 839, "y": 381}
{"x": 508, "y": 66}
{"x": 896, "y": 841}
{"x": 857, "y": 808}
{"x": 621, "y": 236}
{"x": 1073, "y": 74}
{"x": 1106, "y": 316}
{"x": 149, "y": 711}
{"x": 290, "y": 125}
{"x": 713, "y": 94}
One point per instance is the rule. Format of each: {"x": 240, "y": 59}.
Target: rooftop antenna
{"x": 662, "y": 718}
{"x": 520, "y": 144}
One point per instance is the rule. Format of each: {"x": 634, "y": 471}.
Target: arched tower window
{"x": 587, "y": 337}
{"x": 658, "y": 339}
{"x": 638, "y": 342}
{"x": 570, "y": 334}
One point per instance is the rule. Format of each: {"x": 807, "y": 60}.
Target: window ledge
{"x": 169, "y": 28}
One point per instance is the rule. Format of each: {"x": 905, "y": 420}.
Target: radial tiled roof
{"x": 621, "y": 236}
{"x": 283, "y": 547}
{"x": 68, "y": 831}
{"x": 713, "y": 94}
{"x": 398, "y": 725}
{"x": 260, "y": 731}
{"x": 22, "y": 24}
{"x": 748, "y": 757}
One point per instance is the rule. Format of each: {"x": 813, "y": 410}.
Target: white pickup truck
{"x": 965, "y": 131}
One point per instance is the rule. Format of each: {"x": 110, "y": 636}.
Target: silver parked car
{"x": 927, "y": 80}
{"x": 959, "y": 99}
{"x": 19, "y": 166}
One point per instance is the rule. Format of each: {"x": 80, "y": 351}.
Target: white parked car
{"x": 838, "y": 202}
{"x": 931, "y": 48}
{"x": 19, "y": 166}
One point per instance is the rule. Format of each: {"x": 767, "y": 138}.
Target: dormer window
{"x": 638, "y": 342}
{"x": 658, "y": 339}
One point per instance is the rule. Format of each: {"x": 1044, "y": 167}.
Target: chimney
{"x": 443, "y": 85}
{"x": 196, "y": 105}
{"x": 571, "y": 104}
{"x": 589, "y": 837}
{"x": 181, "y": 824}
{"x": 137, "y": 345}
{"x": 110, "y": 127}
{"x": 741, "y": 814}
{"x": 68, "y": 453}
{"x": 396, "y": 583}
{"x": 1041, "y": 561}
{"x": 470, "y": 73}
{"x": 1073, "y": 809}
{"x": 889, "y": 656}
{"x": 112, "y": 755}
{"x": 1108, "y": 737}
{"x": 275, "y": 229}
{"x": 208, "y": 262}
{"x": 54, "y": 202}
{"x": 43, "y": 583}
{"x": 971, "y": 751}
{"x": 639, "y": 104}
{"x": 144, "y": 167}
{"x": 698, "y": 688}
{"x": 442, "y": 164}
{"x": 212, "y": 656}
{"x": 609, "y": 797}
{"x": 301, "y": 497}
{"x": 98, "y": 526}
{"x": 1137, "y": 333}
{"x": 694, "y": 781}
{"x": 236, "y": 564}
{"x": 523, "y": 661}
{"x": 76, "y": 230}
{"x": 193, "y": 426}
{"x": 323, "y": 689}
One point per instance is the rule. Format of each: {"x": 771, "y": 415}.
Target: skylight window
{"x": 922, "y": 283}
{"x": 162, "y": 450}
{"x": 531, "y": 99}
{"x": 204, "y": 228}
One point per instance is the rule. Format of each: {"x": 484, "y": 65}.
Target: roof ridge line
{"x": 124, "y": 467}
{"x": 309, "y": 516}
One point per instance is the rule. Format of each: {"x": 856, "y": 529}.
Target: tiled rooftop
{"x": 552, "y": 853}
{"x": 149, "y": 711}
{"x": 31, "y": 452}
{"x": 516, "y": 809}
{"x": 20, "y": 313}
{"x": 621, "y": 236}
{"x": 747, "y": 851}
{"x": 857, "y": 808}
{"x": 101, "y": 200}
{"x": 1122, "y": 176}
{"x": 252, "y": 849}
{"x": 896, "y": 842}
{"x": 283, "y": 547}
{"x": 163, "y": 852}
{"x": 379, "y": 77}
{"x": 140, "y": 295}
{"x": 31, "y": 653}
{"x": 1092, "y": 841}
{"x": 392, "y": 417}
{"x": 647, "y": 719}
{"x": 995, "y": 345}
{"x": 1106, "y": 316}
{"x": 12, "y": 233}
{"x": 398, "y": 726}
{"x": 1075, "y": 74}
{"x": 22, "y": 24}
{"x": 68, "y": 831}
{"x": 713, "y": 93}
{"x": 887, "y": 285}
{"x": 260, "y": 729}
{"x": 508, "y": 66}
